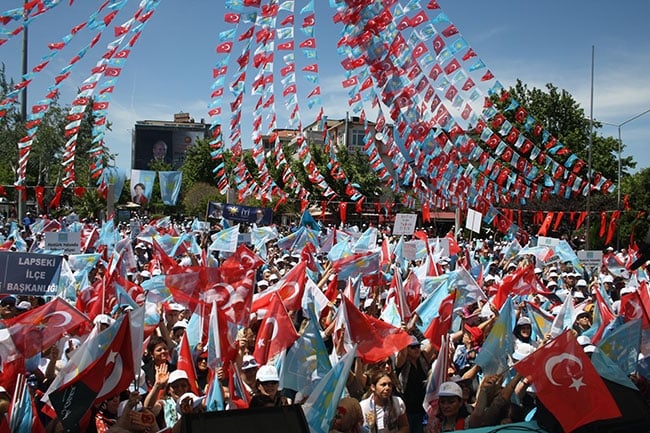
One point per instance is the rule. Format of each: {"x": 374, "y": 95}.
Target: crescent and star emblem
{"x": 553, "y": 361}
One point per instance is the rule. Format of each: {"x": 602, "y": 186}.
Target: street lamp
{"x": 620, "y": 145}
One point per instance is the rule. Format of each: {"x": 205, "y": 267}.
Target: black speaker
{"x": 282, "y": 419}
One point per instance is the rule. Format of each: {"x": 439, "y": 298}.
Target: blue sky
{"x": 170, "y": 68}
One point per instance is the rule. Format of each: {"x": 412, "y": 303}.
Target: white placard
{"x": 544, "y": 241}
{"x": 404, "y": 223}
{"x": 68, "y": 242}
{"x": 473, "y": 221}
{"x": 590, "y": 258}
{"x": 410, "y": 249}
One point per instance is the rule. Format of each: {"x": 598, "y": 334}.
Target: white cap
{"x": 523, "y": 321}
{"x": 578, "y": 295}
{"x": 267, "y": 373}
{"x": 177, "y": 375}
{"x": 196, "y": 400}
{"x": 581, "y": 283}
{"x": 590, "y": 348}
{"x": 103, "y": 319}
{"x": 180, "y": 324}
{"x": 627, "y": 289}
{"x": 553, "y": 275}
{"x": 24, "y": 305}
{"x": 489, "y": 277}
{"x": 551, "y": 283}
{"x": 145, "y": 274}
{"x": 248, "y": 362}
{"x": 156, "y": 272}
{"x": 450, "y": 389}
{"x": 608, "y": 279}
{"x": 175, "y": 307}
{"x": 538, "y": 270}
{"x": 522, "y": 351}
{"x": 2, "y": 389}
{"x": 583, "y": 340}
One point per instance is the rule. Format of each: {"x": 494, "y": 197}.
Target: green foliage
{"x": 196, "y": 198}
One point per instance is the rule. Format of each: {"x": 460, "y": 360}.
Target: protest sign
{"x": 68, "y": 242}
{"x": 404, "y": 224}
{"x": 29, "y": 274}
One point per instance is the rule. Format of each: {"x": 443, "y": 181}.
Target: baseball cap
{"x": 583, "y": 340}
{"x": 450, "y": 389}
{"x": 180, "y": 324}
{"x": 195, "y": 400}
{"x": 581, "y": 283}
{"x": 175, "y": 307}
{"x": 267, "y": 373}
{"x": 608, "y": 279}
{"x": 145, "y": 274}
{"x": 177, "y": 375}
{"x": 523, "y": 321}
{"x": 249, "y": 362}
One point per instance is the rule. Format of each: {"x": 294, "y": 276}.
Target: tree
{"x": 563, "y": 117}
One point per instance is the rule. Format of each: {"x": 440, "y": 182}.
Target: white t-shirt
{"x": 370, "y": 409}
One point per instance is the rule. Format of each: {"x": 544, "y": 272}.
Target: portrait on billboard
{"x": 155, "y": 143}
{"x": 151, "y": 145}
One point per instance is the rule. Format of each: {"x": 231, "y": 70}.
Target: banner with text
{"x": 68, "y": 242}
{"x": 247, "y": 214}
{"x": 29, "y": 274}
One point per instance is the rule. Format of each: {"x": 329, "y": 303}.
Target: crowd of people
{"x": 388, "y": 395}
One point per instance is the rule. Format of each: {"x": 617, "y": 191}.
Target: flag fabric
{"x": 622, "y": 345}
{"x": 225, "y": 240}
{"x": 375, "y": 338}
{"x": 290, "y": 288}
{"x": 499, "y": 343}
{"x": 306, "y": 357}
{"x": 321, "y": 405}
{"x": 23, "y": 416}
{"x": 170, "y": 186}
{"x": 101, "y": 367}
{"x": 39, "y": 328}
{"x": 186, "y": 363}
{"x": 567, "y": 383}
{"x": 440, "y": 323}
{"x": 276, "y": 332}
{"x": 437, "y": 375}
{"x": 365, "y": 263}
{"x": 609, "y": 370}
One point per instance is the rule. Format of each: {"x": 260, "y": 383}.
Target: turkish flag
{"x": 521, "y": 282}
{"x": 567, "y": 383}
{"x": 632, "y": 308}
{"x": 276, "y": 332}
{"x": 442, "y": 323}
{"x": 290, "y": 289}
{"x": 375, "y": 338}
{"x": 41, "y": 327}
{"x": 186, "y": 363}
{"x": 103, "y": 367}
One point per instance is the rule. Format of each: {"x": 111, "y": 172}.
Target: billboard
{"x": 165, "y": 142}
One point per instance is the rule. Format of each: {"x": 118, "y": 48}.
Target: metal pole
{"x": 23, "y": 102}
{"x": 591, "y": 132}
{"x": 618, "y": 188}
{"x": 619, "y": 126}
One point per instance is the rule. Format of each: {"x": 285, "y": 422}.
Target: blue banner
{"x": 234, "y": 212}
{"x": 29, "y": 274}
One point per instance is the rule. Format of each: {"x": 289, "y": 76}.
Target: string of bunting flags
{"x": 448, "y": 143}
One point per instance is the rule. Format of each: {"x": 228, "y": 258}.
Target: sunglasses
{"x": 249, "y": 364}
